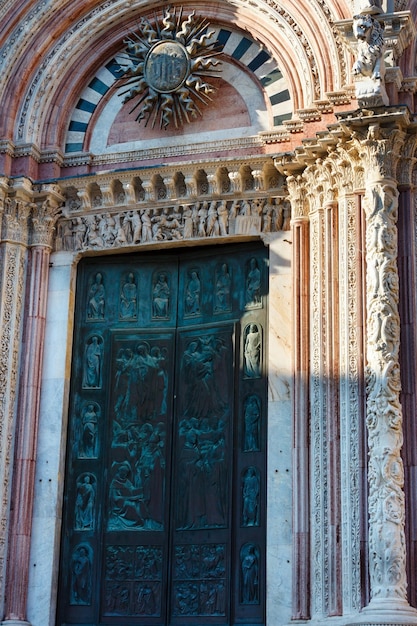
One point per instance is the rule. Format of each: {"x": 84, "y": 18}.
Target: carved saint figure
{"x": 84, "y": 503}
{"x": 250, "y": 497}
{"x": 252, "y": 414}
{"x": 249, "y": 560}
{"x": 89, "y": 432}
{"x": 192, "y": 294}
{"x": 223, "y": 287}
{"x": 252, "y": 352}
{"x": 96, "y": 298}
{"x": 128, "y": 298}
{"x": 160, "y": 297}
{"x": 92, "y": 363}
{"x": 253, "y": 284}
{"x": 81, "y": 586}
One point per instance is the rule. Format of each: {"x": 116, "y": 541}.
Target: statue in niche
{"x": 202, "y": 475}
{"x": 89, "y": 431}
{"x": 253, "y": 285}
{"x": 249, "y": 582}
{"x": 222, "y": 295}
{"x": 93, "y": 357}
{"x": 96, "y": 299}
{"x": 252, "y": 351}
{"x": 128, "y": 298}
{"x": 81, "y": 582}
{"x": 160, "y": 297}
{"x": 85, "y": 501}
{"x": 192, "y": 294}
{"x": 252, "y": 415}
{"x": 250, "y": 497}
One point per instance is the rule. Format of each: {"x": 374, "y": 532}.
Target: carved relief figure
{"x": 81, "y": 584}
{"x": 192, "y": 294}
{"x": 252, "y": 351}
{"x": 93, "y": 357}
{"x": 96, "y": 299}
{"x": 89, "y": 431}
{"x": 160, "y": 297}
{"x": 147, "y": 602}
{"x": 252, "y": 415}
{"x": 117, "y": 599}
{"x": 127, "y": 506}
{"x": 202, "y": 475}
{"x": 222, "y": 294}
{"x": 253, "y": 285}
{"x": 249, "y": 587}
{"x": 250, "y": 497}
{"x": 84, "y": 503}
{"x": 128, "y": 298}
{"x": 202, "y": 370}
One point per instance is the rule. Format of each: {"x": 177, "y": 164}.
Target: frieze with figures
{"x": 217, "y": 218}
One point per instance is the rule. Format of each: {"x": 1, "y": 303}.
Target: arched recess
{"x": 295, "y": 35}
{"x": 250, "y": 82}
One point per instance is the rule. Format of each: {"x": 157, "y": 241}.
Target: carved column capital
{"x": 297, "y": 196}
{"x": 44, "y": 216}
{"x": 379, "y": 149}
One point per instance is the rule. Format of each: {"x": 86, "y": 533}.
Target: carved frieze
{"x": 218, "y": 218}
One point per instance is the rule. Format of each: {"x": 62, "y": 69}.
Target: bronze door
{"x": 164, "y": 505}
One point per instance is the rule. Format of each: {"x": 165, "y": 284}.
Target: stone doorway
{"x": 165, "y": 491}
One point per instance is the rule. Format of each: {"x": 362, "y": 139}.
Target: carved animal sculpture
{"x": 368, "y": 32}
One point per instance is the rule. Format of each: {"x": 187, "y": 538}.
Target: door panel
{"x": 164, "y": 504}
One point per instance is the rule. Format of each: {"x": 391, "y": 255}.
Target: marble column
{"x": 301, "y": 508}
{"x": 378, "y": 144}
{"x": 13, "y": 260}
{"x": 43, "y": 217}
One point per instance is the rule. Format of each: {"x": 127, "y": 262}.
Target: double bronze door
{"x": 164, "y": 505}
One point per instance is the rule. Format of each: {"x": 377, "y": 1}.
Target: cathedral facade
{"x": 208, "y": 312}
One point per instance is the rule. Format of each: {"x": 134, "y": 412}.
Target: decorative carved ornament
{"x": 167, "y": 65}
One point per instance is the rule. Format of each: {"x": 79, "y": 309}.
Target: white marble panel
{"x": 279, "y": 487}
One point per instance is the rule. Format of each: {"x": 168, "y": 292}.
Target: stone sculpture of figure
{"x": 84, "y": 503}
{"x": 96, "y": 298}
{"x": 89, "y": 432}
{"x": 222, "y": 292}
{"x": 249, "y": 574}
{"x": 146, "y": 226}
{"x": 81, "y": 575}
{"x": 128, "y": 298}
{"x": 252, "y": 352}
{"x": 92, "y": 363}
{"x": 192, "y": 295}
{"x": 252, "y": 414}
{"x": 250, "y": 498}
{"x": 369, "y": 65}
{"x": 160, "y": 297}
{"x": 253, "y": 284}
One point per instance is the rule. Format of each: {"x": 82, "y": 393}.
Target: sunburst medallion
{"x": 168, "y": 63}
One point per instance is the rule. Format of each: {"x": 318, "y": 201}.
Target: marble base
{"x": 386, "y": 612}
